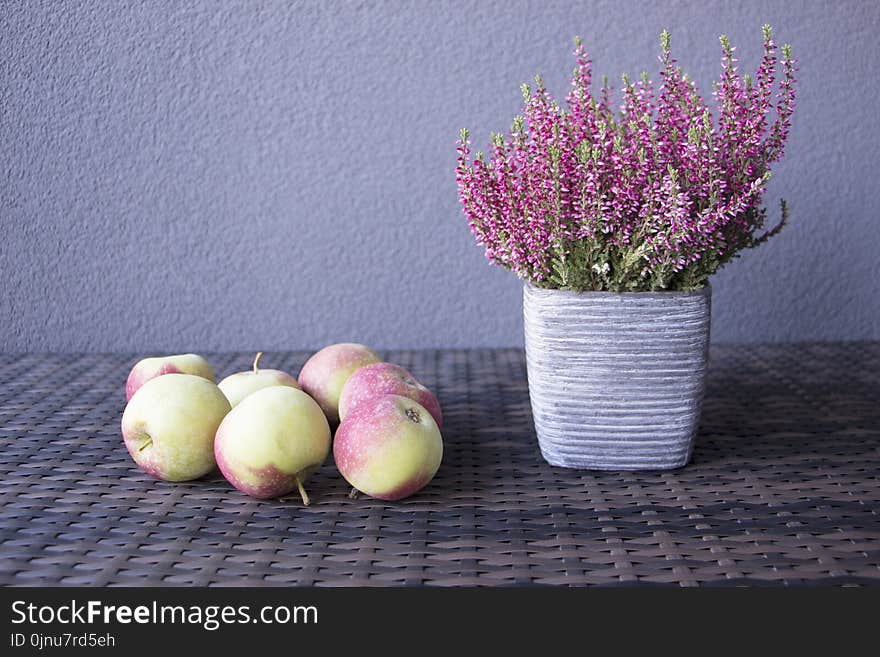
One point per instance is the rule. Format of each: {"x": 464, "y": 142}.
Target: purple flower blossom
{"x": 655, "y": 196}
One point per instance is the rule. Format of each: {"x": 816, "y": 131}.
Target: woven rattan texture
{"x": 783, "y": 488}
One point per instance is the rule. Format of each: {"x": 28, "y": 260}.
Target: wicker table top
{"x": 783, "y": 488}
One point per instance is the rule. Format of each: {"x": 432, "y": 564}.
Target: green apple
{"x": 149, "y": 368}
{"x": 388, "y": 447}
{"x": 386, "y": 379}
{"x": 169, "y": 426}
{"x": 272, "y": 441}
{"x": 325, "y": 373}
{"x": 241, "y": 384}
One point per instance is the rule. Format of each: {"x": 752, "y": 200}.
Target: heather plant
{"x": 656, "y": 195}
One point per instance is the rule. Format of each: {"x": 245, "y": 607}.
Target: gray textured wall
{"x": 219, "y": 175}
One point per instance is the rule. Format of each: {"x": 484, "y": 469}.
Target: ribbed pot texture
{"x": 616, "y": 380}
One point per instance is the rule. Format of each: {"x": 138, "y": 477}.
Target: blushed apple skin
{"x": 149, "y": 368}
{"x": 271, "y": 438}
{"x": 325, "y": 373}
{"x": 241, "y": 384}
{"x": 169, "y": 426}
{"x": 389, "y": 447}
{"x": 386, "y": 379}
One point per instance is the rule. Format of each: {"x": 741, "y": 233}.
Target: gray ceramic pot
{"x": 616, "y": 380}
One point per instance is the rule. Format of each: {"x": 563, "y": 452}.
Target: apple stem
{"x": 353, "y": 493}
{"x": 257, "y": 360}
{"x": 302, "y": 492}
{"x": 146, "y": 444}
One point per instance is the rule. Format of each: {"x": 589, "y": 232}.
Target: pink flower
{"x": 657, "y": 195}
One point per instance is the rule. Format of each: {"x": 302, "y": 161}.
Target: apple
{"x": 388, "y": 447}
{"x": 324, "y": 374}
{"x": 272, "y": 441}
{"x": 241, "y": 384}
{"x": 385, "y": 379}
{"x": 169, "y": 426}
{"x": 149, "y": 368}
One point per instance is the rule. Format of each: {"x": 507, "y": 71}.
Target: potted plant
{"x": 615, "y": 220}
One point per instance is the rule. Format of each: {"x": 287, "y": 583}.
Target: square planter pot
{"x": 616, "y": 380}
